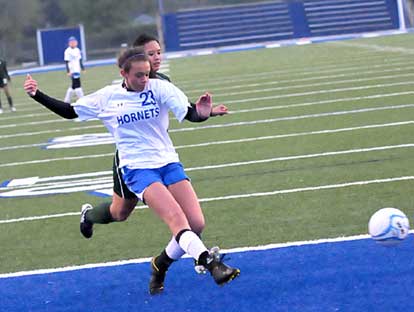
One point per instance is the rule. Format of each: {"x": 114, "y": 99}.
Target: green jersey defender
{"x": 4, "y": 81}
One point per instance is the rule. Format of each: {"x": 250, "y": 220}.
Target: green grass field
{"x": 306, "y": 123}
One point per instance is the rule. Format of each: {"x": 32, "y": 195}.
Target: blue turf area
{"x": 344, "y": 276}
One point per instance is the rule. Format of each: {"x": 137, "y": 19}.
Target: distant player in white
{"x": 136, "y": 114}
{"x": 74, "y": 66}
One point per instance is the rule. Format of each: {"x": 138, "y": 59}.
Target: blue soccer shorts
{"x": 138, "y": 180}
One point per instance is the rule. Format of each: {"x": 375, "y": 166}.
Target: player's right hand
{"x": 204, "y": 105}
{"x": 30, "y": 85}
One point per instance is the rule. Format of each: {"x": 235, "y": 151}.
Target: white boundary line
{"x": 224, "y": 251}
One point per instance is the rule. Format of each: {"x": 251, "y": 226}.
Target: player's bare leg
{"x": 161, "y": 200}
{"x": 191, "y": 207}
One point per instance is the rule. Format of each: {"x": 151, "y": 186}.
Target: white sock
{"x": 79, "y": 92}
{"x": 173, "y": 250}
{"x": 68, "y": 95}
{"x": 192, "y": 244}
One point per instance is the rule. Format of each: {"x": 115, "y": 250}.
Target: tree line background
{"x": 107, "y": 23}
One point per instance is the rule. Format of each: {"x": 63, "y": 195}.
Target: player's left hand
{"x": 204, "y": 105}
{"x": 30, "y": 85}
{"x": 219, "y": 110}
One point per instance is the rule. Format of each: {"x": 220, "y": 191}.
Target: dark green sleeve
{"x": 162, "y": 76}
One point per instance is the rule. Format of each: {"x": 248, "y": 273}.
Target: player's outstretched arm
{"x": 60, "y": 108}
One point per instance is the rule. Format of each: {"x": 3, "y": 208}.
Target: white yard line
{"x": 95, "y": 179}
{"x": 300, "y": 71}
{"x": 330, "y": 91}
{"x": 240, "y": 124}
{"x": 23, "y": 134}
{"x": 41, "y": 186}
{"x": 297, "y": 134}
{"x": 375, "y": 47}
{"x": 265, "y": 108}
{"x": 248, "y": 77}
{"x": 289, "y": 118}
{"x": 25, "y": 116}
{"x": 353, "y": 71}
{"x": 255, "y": 99}
{"x": 43, "y": 161}
{"x": 312, "y": 78}
{"x": 330, "y": 101}
{"x": 306, "y": 156}
{"x": 293, "y": 86}
{"x": 239, "y": 196}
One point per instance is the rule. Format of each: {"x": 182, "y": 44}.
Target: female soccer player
{"x": 124, "y": 201}
{"x": 136, "y": 114}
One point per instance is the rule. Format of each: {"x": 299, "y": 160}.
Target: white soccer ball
{"x": 389, "y": 226}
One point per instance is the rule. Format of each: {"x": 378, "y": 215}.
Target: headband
{"x": 131, "y": 57}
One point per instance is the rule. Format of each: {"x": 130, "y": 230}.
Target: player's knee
{"x": 119, "y": 217}
{"x": 120, "y": 214}
{"x": 176, "y": 221}
{"x": 198, "y": 225}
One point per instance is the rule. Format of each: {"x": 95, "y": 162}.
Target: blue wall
{"x": 275, "y": 21}
{"x": 53, "y": 43}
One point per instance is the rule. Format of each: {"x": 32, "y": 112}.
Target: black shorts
{"x": 3, "y": 82}
{"x": 120, "y": 187}
{"x": 76, "y": 83}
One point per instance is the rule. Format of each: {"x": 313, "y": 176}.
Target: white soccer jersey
{"x": 73, "y": 56}
{"x": 138, "y": 121}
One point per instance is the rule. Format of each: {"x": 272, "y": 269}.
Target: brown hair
{"x": 131, "y": 55}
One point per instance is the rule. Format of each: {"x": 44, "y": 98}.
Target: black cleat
{"x": 221, "y": 272}
{"x": 86, "y": 228}
{"x": 156, "y": 284}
